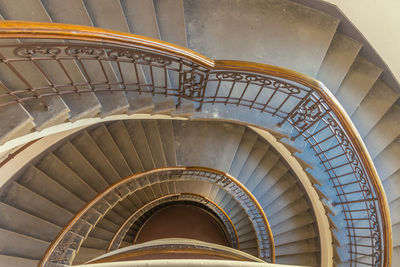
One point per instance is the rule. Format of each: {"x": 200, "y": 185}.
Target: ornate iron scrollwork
{"x": 32, "y": 51}
{"x": 192, "y": 84}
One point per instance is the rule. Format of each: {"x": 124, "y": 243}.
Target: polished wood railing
{"x": 63, "y": 249}
{"x": 226, "y": 223}
{"x": 110, "y": 61}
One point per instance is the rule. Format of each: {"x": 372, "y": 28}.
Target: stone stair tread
{"x": 79, "y": 164}
{"x": 300, "y": 247}
{"x": 289, "y": 196}
{"x": 277, "y": 189}
{"x": 166, "y": 130}
{"x": 35, "y": 12}
{"x": 288, "y": 49}
{"x": 15, "y": 121}
{"x": 139, "y": 103}
{"x": 373, "y": 107}
{"x": 198, "y": 134}
{"x": 19, "y": 245}
{"x": 387, "y": 162}
{"x": 308, "y": 259}
{"x": 338, "y": 60}
{"x": 359, "y": 80}
{"x": 298, "y": 234}
{"x": 22, "y": 198}
{"x": 52, "y": 166}
{"x": 244, "y": 149}
{"x": 56, "y": 112}
{"x": 254, "y": 158}
{"x": 86, "y": 254}
{"x": 154, "y": 140}
{"x": 24, "y": 223}
{"x": 141, "y": 18}
{"x": 138, "y": 137}
{"x": 106, "y": 143}
{"x": 43, "y": 185}
{"x": 170, "y": 20}
{"x": 293, "y": 223}
{"x": 272, "y": 178}
{"x": 122, "y": 139}
{"x": 17, "y": 261}
{"x": 94, "y": 155}
{"x": 384, "y": 132}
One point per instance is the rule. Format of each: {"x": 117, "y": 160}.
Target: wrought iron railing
{"x": 228, "y": 226}
{"x": 107, "y": 61}
{"x": 63, "y": 249}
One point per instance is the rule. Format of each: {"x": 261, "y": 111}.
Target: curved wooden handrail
{"x": 20, "y": 29}
{"x": 219, "y": 176}
{"x": 169, "y": 198}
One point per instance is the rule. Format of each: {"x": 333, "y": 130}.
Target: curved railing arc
{"x": 64, "y": 247}
{"x": 161, "y": 68}
{"x": 229, "y": 230}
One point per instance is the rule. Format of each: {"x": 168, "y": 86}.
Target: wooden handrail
{"x": 192, "y": 171}
{"x": 169, "y": 198}
{"x": 33, "y": 30}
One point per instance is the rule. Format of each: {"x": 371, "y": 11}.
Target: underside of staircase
{"x": 42, "y": 197}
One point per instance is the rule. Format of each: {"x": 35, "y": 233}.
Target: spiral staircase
{"x": 295, "y": 184}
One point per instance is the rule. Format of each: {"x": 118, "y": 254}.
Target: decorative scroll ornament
{"x": 84, "y": 51}
{"x": 140, "y": 57}
{"x": 192, "y": 84}
{"x": 307, "y": 114}
{"x": 32, "y": 51}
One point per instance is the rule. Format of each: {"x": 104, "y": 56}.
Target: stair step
{"x": 122, "y": 139}
{"x": 277, "y": 189}
{"x": 96, "y": 243}
{"x": 101, "y": 233}
{"x": 53, "y": 166}
{"x": 85, "y": 144}
{"x": 166, "y": 130}
{"x": 87, "y": 254}
{"x": 302, "y": 233}
{"x": 106, "y": 143}
{"x": 391, "y": 185}
{"x": 138, "y": 137}
{"x": 245, "y": 147}
{"x": 373, "y": 107}
{"x": 18, "y": 221}
{"x": 256, "y": 155}
{"x": 171, "y": 22}
{"x": 23, "y": 199}
{"x": 288, "y": 212}
{"x": 273, "y": 176}
{"x": 43, "y": 185}
{"x": 22, "y": 246}
{"x": 299, "y": 247}
{"x": 193, "y": 135}
{"x": 359, "y": 80}
{"x": 78, "y": 163}
{"x": 288, "y": 49}
{"x": 15, "y": 121}
{"x": 387, "y": 162}
{"x": 141, "y": 18}
{"x": 154, "y": 140}
{"x": 308, "y": 259}
{"x": 291, "y": 195}
{"x": 292, "y": 223}
{"x": 384, "y": 132}
{"x": 338, "y": 60}
{"x": 17, "y": 261}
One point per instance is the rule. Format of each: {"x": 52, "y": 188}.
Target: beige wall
{"x": 379, "y": 22}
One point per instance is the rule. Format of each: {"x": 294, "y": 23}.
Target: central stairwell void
{"x": 123, "y": 149}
